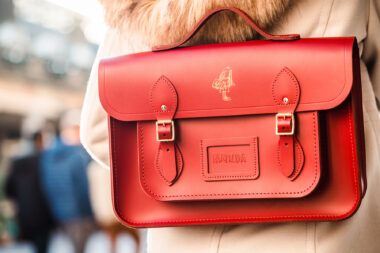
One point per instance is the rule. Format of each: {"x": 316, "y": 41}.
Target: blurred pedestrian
{"x": 23, "y": 185}
{"x": 64, "y": 177}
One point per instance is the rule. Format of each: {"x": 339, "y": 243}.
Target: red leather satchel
{"x": 257, "y": 131}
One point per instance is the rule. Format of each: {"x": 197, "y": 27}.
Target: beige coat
{"x": 358, "y": 234}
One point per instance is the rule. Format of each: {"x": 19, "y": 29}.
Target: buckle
{"x": 285, "y": 115}
{"x": 164, "y": 123}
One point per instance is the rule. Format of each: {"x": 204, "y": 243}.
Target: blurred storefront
{"x": 46, "y": 53}
{"x": 45, "y": 59}
{"x": 47, "y": 48}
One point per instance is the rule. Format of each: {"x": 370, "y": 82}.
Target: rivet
{"x": 164, "y": 107}
{"x": 286, "y": 100}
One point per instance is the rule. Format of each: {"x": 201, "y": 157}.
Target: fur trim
{"x": 160, "y": 22}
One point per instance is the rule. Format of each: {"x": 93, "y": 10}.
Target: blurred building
{"x": 46, "y": 53}
{"x": 45, "y": 60}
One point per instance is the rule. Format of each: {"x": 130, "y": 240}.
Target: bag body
{"x": 257, "y": 131}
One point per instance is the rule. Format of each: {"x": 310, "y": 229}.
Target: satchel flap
{"x": 228, "y": 79}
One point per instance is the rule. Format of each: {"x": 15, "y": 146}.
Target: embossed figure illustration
{"x": 224, "y": 83}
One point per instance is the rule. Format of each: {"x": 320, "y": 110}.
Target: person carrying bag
{"x": 290, "y": 145}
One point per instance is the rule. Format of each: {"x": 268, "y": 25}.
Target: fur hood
{"x": 160, "y": 22}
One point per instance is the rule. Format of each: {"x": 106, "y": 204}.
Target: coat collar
{"x": 158, "y": 22}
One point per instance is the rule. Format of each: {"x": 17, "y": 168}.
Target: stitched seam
{"x": 256, "y": 157}
{"x": 231, "y": 194}
{"x": 299, "y": 165}
{"x": 278, "y": 156}
{"x": 250, "y": 175}
{"x": 353, "y": 152}
{"x": 245, "y": 218}
{"x": 216, "y": 109}
{"x": 114, "y": 164}
{"x": 294, "y": 82}
{"x": 226, "y": 219}
{"x": 157, "y": 158}
{"x": 202, "y": 161}
{"x": 351, "y": 138}
{"x": 237, "y": 219}
{"x": 179, "y": 160}
{"x": 315, "y": 146}
{"x": 174, "y": 98}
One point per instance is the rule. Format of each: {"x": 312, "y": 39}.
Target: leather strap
{"x": 164, "y": 99}
{"x": 169, "y": 162}
{"x": 286, "y": 94}
{"x": 239, "y": 12}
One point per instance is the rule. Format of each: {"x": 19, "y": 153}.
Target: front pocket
{"x": 230, "y": 140}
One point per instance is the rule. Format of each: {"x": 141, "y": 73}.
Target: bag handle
{"x": 242, "y": 14}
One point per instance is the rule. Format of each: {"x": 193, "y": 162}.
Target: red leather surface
{"x": 337, "y": 196}
{"x": 286, "y": 94}
{"x": 329, "y": 129}
{"x": 226, "y": 159}
{"x": 167, "y": 159}
{"x": 125, "y": 82}
{"x": 168, "y": 162}
{"x": 192, "y": 133}
{"x": 162, "y": 92}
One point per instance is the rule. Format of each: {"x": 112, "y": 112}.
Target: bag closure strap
{"x": 239, "y": 12}
{"x": 286, "y": 95}
{"x": 163, "y": 99}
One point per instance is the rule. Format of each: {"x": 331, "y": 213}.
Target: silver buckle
{"x": 284, "y": 115}
{"x": 164, "y": 122}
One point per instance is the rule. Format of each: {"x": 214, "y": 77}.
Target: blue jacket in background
{"x": 65, "y": 182}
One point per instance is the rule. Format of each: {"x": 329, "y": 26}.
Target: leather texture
{"x": 207, "y": 137}
{"x": 195, "y": 133}
{"x": 286, "y": 94}
{"x": 230, "y": 159}
{"x": 254, "y": 66}
{"x": 163, "y": 98}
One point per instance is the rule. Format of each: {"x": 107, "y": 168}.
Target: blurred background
{"x": 48, "y": 199}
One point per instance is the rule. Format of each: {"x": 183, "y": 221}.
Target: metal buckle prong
{"x": 285, "y": 115}
{"x": 164, "y": 122}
